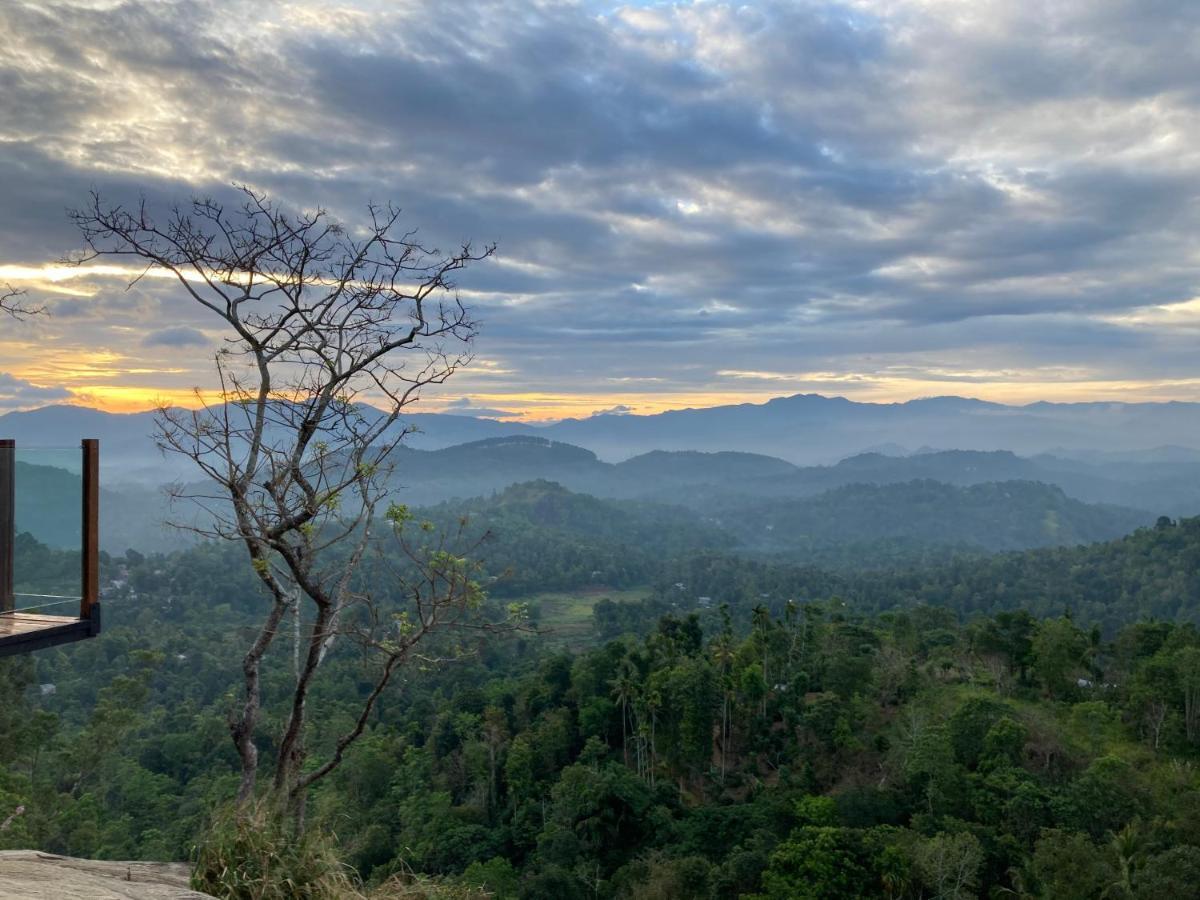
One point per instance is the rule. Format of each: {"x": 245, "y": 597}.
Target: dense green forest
{"x": 1020, "y": 725}
{"x": 1151, "y": 574}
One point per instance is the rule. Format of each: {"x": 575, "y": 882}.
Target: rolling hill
{"x": 993, "y": 516}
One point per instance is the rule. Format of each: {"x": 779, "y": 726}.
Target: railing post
{"x": 89, "y": 604}
{"x": 8, "y": 521}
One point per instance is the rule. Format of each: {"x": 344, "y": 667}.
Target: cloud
{"x": 620, "y": 409}
{"x": 16, "y": 393}
{"x": 464, "y": 406}
{"x": 681, "y": 192}
{"x": 180, "y": 336}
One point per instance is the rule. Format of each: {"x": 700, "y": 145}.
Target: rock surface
{"x": 28, "y": 874}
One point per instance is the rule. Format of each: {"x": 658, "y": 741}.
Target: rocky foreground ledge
{"x": 28, "y": 875}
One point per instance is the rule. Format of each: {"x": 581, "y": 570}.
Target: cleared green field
{"x": 566, "y": 617}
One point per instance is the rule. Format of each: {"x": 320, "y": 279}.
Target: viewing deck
{"x": 29, "y": 626}
{"x": 21, "y": 632}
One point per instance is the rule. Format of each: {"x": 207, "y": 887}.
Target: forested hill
{"x": 1160, "y": 484}
{"x": 545, "y": 538}
{"x": 572, "y": 539}
{"x": 544, "y": 504}
{"x": 1152, "y": 574}
{"x": 1010, "y": 515}
{"x": 540, "y": 536}
{"x": 886, "y": 732}
{"x": 701, "y": 479}
{"x": 854, "y": 527}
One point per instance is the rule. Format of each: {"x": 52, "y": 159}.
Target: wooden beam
{"x": 90, "y": 594}
{"x": 8, "y": 521}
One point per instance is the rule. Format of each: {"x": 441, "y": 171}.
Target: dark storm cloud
{"x": 772, "y": 186}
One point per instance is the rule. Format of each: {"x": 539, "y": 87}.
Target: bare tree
{"x": 329, "y": 335}
{"x": 11, "y": 303}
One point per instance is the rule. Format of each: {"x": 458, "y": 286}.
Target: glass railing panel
{"x": 48, "y": 530}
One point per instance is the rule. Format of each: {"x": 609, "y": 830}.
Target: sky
{"x": 694, "y": 203}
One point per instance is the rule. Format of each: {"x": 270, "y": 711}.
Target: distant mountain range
{"x": 721, "y": 481}
{"x": 459, "y": 457}
{"x": 804, "y": 429}
{"x": 982, "y": 501}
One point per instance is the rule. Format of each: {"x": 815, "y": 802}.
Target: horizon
{"x": 416, "y": 408}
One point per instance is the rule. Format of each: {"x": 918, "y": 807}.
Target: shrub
{"x": 254, "y": 856}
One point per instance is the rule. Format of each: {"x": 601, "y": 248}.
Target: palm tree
{"x": 1128, "y": 848}
{"x": 653, "y": 702}
{"x": 723, "y": 654}
{"x": 761, "y": 617}
{"x": 624, "y": 688}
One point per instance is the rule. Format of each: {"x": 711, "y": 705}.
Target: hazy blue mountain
{"x": 705, "y": 456}
{"x": 1166, "y": 488}
{"x": 128, "y": 452}
{"x": 695, "y": 467}
{"x": 1165, "y": 454}
{"x": 483, "y": 467}
{"x": 809, "y": 428}
{"x": 804, "y": 429}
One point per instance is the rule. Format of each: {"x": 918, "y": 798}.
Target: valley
{"x": 732, "y": 646}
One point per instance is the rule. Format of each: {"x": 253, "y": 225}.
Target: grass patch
{"x": 565, "y": 617}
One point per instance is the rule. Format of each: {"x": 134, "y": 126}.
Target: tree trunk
{"x": 242, "y": 728}
{"x": 291, "y": 747}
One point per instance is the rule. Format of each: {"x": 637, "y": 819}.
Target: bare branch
{"x": 11, "y": 303}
